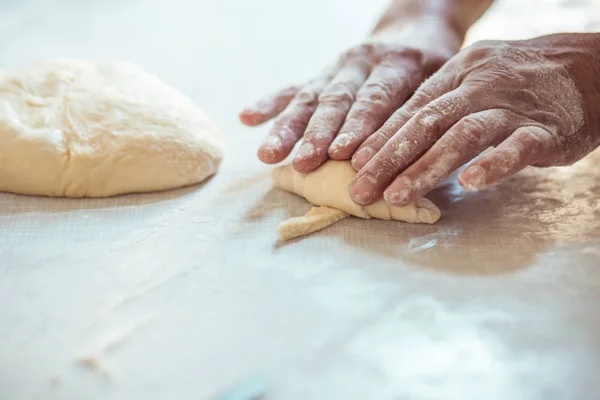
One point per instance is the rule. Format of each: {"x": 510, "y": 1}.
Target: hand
{"x": 350, "y": 101}
{"x": 537, "y": 100}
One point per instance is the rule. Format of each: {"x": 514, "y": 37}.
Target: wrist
{"x": 432, "y": 32}
{"x": 443, "y": 20}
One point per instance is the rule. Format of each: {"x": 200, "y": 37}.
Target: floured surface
{"x": 185, "y": 293}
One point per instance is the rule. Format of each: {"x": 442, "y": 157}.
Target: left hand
{"x": 537, "y": 100}
{"x": 335, "y": 112}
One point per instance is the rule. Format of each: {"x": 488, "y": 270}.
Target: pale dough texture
{"x": 316, "y": 219}
{"x": 79, "y": 129}
{"x": 329, "y": 186}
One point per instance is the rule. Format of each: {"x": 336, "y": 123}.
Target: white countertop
{"x": 182, "y": 294}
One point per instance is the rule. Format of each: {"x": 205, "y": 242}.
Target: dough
{"x": 329, "y": 186}
{"x": 316, "y": 219}
{"x": 78, "y": 129}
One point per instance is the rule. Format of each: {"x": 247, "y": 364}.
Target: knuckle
{"x": 365, "y": 50}
{"x": 474, "y": 89}
{"x": 384, "y": 136}
{"x": 419, "y": 100}
{"x": 375, "y": 94}
{"x": 526, "y": 142}
{"x": 290, "y": 126}
{"x": 535, "y": 142}
{"x": 381, "y": 137}
{"x": 318, "y": 135}
{"x": 404, "y": 53}
{"x": 362, "y": 118}
{"x": 307, "y": 98}
{"x": 428, "y": 90}
{"x": 337, "y": 94}
{"x": 283, "y": 125}
{"x": 294, "y": 127}
{"x": 438, "y": 109}
{"x": 400, "y": 118}
{"x": 534, "y": 138}
{"x": 287, "y": 93}
{"x": 467, "y": 134}
{"x": 429, "y": 121}
{"x": 452, "y": 106}
{"x": 471, "y": 124}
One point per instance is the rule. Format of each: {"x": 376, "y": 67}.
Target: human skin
{"x": 537, "y": 101}
{"x": 337, "y": 110}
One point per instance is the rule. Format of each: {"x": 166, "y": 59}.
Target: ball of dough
{"x": 79, "y": 129}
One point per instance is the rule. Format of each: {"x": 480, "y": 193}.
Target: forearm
{"x": 453, "y": 17}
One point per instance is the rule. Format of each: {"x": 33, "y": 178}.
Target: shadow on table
{"x": 11, "y": 204}
{"x": 496, "y": 231}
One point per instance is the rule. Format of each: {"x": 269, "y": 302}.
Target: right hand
{"x": 343, "y": 106}
{"x": 536, "y": 101}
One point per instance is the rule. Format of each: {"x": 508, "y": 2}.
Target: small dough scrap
{"x": 81, "y": 129}
{"x": 316, "y": 219}
{"x": 329, "y": 186}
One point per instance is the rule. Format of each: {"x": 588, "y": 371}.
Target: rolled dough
{"x": 316, "y": 219}
{"x": 329, "y": 186}
{"x": 79, "y": 129}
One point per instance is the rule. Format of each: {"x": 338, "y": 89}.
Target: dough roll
{"x": 329, "y": 186}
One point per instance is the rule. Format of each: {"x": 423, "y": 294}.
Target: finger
{"x": 521, "y": 149}
{"x": 410, "y": 142}
{"x": 291, "y": 123}
{"x": 461, "y": 143}
{"x": 387, "y": 88}
{"x": 268, "y": 107}
{"x": 334, "y": 103}
{"x": 444, "y": 81}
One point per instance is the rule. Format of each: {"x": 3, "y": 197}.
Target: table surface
{"x": 187, "y": 293}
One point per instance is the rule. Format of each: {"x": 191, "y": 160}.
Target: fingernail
{"x": 473, "y": 178}
{"x": 250, "y": 118}
{"x": 398, "y": 192}
{"x": 363, "y": 189}
{"x": 267, "y": 152}
{"x": 271, "y": 142}
{"x": 340, "y": 142}
{"x": 396, "y": 198}
{"x": 307, "y": 150}
{"x": 361, "y": 157}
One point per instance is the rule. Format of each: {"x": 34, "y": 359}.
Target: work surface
{"x": 186, "y": 294}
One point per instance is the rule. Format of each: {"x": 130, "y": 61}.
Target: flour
{"x": 342, "y": 141}
{"x": 270, "y": 146}
{"x": 307, "y": 150}
{"x": 491, "y": 93}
